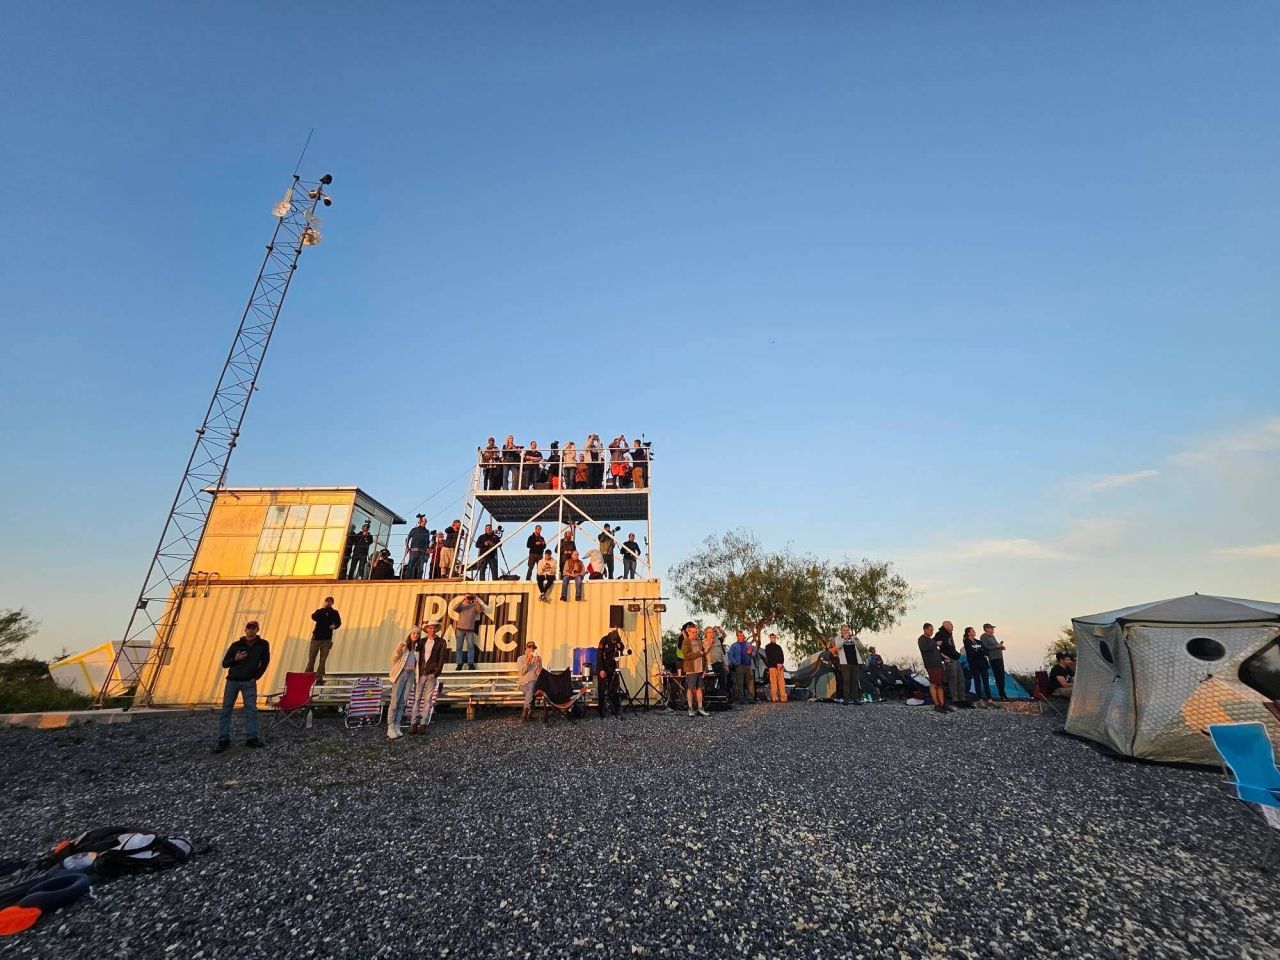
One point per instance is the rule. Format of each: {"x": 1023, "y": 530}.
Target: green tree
{"x": 1064, "y": 641}
{"x": 670, "y": 646}
{"x": 16, "y": 628}
{"x": 869, "y": 596}
{"x": 733, "y": 578}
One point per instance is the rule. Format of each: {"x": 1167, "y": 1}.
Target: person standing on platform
{"x": 568, "y": 466}
{"x": 546, "y": 576}
{"x": 595, "y": 461}
{"x": 431, "y": 653}
{"x": 553, "y": 464}
{"x": 488, "y": 543}
{"x": 773, "y": 658}
{"x": 740, "y": 666}
{"x": 630, "y": 554}
{"x": 566, "y": 546}
{"x": 532, "y": 466}
{"x": 245, "y": 661}
{"x": 511, "y": 463}
{"x": 404, "y": 673}
{"x": 581, "y": 474}
{"x": 995, "y": 657}
{"x": 536, "y": 544}
{"x": 639, "y": 465}
{"x": 452, "y": 534}
{"x": 931, "y": 657}
{"x": 850, "y": 669}
{"x": 358, "y": 545}
{"x": 609, "y": 693}
{"x": 468, "y": 610}
{"x": 434, "y": 569}
{"x": 694, "y": 657}
{"x": 417, "y": 543}
{"x": 975, "y": 657}
{"x": 326, "y": 620}
{"x": 713, "y": 641}
{"x": 491, "y": 465}
{"x": 951, "y": 667}
{"x": 528, "y": 666}
{"x": 607, "y": 543}
{"x": 573, "y": 571}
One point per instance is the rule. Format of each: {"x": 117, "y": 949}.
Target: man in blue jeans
{"x": 245, "y": 661}
{"x": 467, "y": 613}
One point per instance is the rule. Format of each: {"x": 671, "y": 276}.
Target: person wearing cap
{"x": 995, "y": 656}
{"x": 467, "y": 612}
{"x": 694, "y": 656}
{"x": 1062, "y": 678}
{"x": 431, "y": 652}
{"x": 528, "y": 666}
{"x": 546, "y": 576}
{"x": 416, "y": 543}
{"x": 773, "y": 658}
{"x": 326, "y": 620}
{"x": 491, "y": 464}
{"x": 404, "y": 674}
{"x": 384, "y": 567}
{"x": 358, "y": 545}
{"x": 245, "y": 661}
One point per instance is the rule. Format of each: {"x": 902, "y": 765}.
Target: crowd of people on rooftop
{"x": 516, "y": 466}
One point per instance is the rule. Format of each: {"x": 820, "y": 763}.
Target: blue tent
{"x": 1012, "y": 688}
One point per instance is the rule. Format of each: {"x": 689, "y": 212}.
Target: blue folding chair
{"x": 1246, "y": 753}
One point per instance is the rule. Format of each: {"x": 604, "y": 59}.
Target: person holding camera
{"x": 358, "y": 545}
{"x": 693, "y": 655}
{"x": 595, "y": 461}
{"x": 546, "y": 576}
{"x": 467, "y": 612}
{"x": 417, "y": 543}
{"x": 245, "y": 661}
{"x": 536, "y": 544}
{"x": 528, "y": 666}
{"x": 449, "y": 550}
{"x": 639, "y": 465}
{"x": 630, "y": 554}
{"x": 609, "y": 690}
{"x": 384, "y": 568}
{"x": 431, "y": 653}
{"x": 487, "y": 546}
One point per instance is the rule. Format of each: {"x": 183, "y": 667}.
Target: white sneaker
{"x": 691, "y": 711}
{"x": 703, "y": 713}
{"x": 393, "y": 733}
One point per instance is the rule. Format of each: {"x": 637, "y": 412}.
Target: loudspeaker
{"x": 616, "y": 613}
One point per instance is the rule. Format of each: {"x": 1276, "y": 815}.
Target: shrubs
{"x": 26, "y": 687}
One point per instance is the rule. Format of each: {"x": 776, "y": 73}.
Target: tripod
{"x": 643, "y": 692}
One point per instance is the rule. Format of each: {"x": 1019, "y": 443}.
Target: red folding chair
{"x": 292, "y": 703}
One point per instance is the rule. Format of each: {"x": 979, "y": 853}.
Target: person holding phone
{"x": 245, "y": 661}
{"x": 528, "y": 666}
{"x": 694, "y": 655}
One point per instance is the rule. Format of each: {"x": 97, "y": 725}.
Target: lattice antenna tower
{"x": 145, "y": 648}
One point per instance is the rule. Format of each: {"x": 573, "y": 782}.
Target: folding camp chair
{"x": 1043, "y": 694}
{"x": 365, "y": 703}
{"x": 292, "y": 703}
{"x": 557, "y": 691}
{"x": 1247, "y": 755}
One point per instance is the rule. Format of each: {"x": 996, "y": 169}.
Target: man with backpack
{"x": 245, "y": 661}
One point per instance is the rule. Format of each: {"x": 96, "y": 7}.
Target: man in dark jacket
{"x": 975, "y": 661}
{"x": 609, "y": 692}
{"x": 358, "y": 545}
{"x": 956, "y": 687}
{"x": 536, "y": 544}
{"x": 417, "y": 542}
{"x": 327, "y": 620}
{"x": 431, "y": 651}
{"x": 245, "y": 662}
{"x": 773, "y": 658}
{"x": 384, "y": 567}
{"x": 487, "y": 546}
{"x": 931, "y": 657}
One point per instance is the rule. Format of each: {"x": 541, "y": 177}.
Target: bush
{"x": 26, "y": 687}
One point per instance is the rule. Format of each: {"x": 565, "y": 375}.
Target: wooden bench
{"x": 483, "y": 686}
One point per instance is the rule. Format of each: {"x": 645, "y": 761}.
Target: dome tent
{"x": 1151, "y": 678}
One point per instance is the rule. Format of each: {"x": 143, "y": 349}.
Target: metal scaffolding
{"x": 145, "y": 648}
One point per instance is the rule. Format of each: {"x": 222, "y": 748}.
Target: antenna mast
{"x": 145, "y": 648}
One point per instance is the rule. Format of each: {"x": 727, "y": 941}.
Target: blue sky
{"x": 984, "y": 289}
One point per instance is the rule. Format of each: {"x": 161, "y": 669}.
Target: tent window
{"x": 1105, "y": 650}
{"x": 1262, "y": 671}
{"x": 1206, "y": 648}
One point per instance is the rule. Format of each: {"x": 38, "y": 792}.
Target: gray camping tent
{"x": 1150, "y": 678}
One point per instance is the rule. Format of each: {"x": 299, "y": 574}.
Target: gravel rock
{"x": 804, "y": 830}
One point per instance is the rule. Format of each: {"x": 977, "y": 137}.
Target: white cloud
{"x": 1099, "y": 484}
{"x": 1080, "y": 539}
{"x": 1261, "y": 551}
{"x": 1262, "y": 437}
{"x": 1014, "y": 548}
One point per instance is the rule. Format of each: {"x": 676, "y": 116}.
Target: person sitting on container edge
{"x": 574, "y": 571}
{"x": 528, "y": 666}
{"x": 1062, "y": 678}
{"x": 403, "y": 676}
{"x": 431, "y": 652}
{"x": 467, "y": 611}
{"x": 245, "y": 661}
{"x": 384, "y": 568}
{"x": 327, "y": 620}
{"x": 546, "y": 576}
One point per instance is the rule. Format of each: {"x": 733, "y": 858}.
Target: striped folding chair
{"x": 365, "y": 704}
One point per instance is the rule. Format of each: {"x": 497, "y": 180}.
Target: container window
{"x": 305, "y": 565}
{"x": 310, "y": 541}
{"x": 276, "y": 516}
{"x": 1261, "y": 671}
{"x": 327, "y": 565}
{"x": 297, "y": 517}
{"x": 1206, "y": 649}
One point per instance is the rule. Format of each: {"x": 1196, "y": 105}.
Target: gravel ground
{"x": 799, "y": 830}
